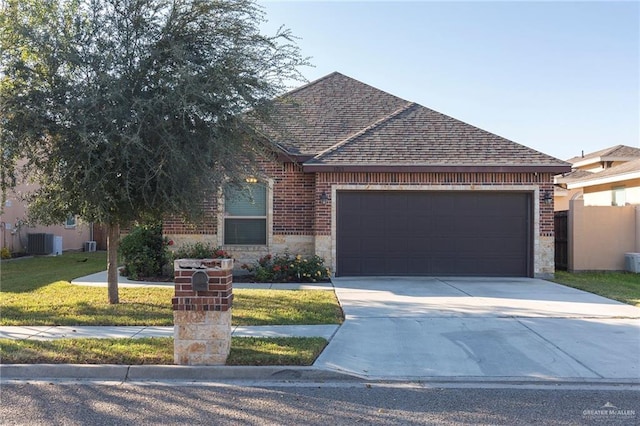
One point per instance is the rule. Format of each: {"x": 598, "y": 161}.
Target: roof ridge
{"x": 610, "y": 150}
{"x": 363, "y": 131}
{"x": 601, "y": 153}
{"x": 311, "y": 83}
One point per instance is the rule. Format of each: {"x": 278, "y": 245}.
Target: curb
{"x": 272, "y": 374}
{"x": 277, "y": 374}
{"x": 124, "y": 373}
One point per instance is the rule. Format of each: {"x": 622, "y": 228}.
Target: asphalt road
{"x": 59, "y": 403}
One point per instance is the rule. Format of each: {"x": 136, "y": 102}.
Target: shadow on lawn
{"x": 25, "y": 275}
{"x": 82, "y": 313}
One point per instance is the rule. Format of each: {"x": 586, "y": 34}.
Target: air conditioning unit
{"x": 632, "y": 262}
{"x": 57, "y": 246}
{"x": 39, "y": 243}
{"x": 89, "y": 246}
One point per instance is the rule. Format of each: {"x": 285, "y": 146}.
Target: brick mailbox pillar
{"x": 202, "y": 311}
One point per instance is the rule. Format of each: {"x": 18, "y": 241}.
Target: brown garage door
{"x": 433, "y": 233}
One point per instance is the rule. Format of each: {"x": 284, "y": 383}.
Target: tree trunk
{"x": 113, "y": 241}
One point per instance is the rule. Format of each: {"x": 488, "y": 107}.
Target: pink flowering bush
{"x": 287, "y": 268}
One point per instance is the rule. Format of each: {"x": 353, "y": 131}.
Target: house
{"x": 609, "y": 177}
{"x": 15, "y": 227}
{"x": 600, "y": 199}
{"x": 618, "y": 185}
{"x": 377, "y": 185}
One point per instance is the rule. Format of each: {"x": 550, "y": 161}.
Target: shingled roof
{"x": 316, "y": 116}
{"x": 338, "y": 122}
{"x": 621, "y": 172}
{"x": 572, "y": 175}
{"x": 614, "y": 153}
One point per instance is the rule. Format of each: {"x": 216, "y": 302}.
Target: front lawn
{"x": 28, "y": 274}
{"x": 244, "y": 351}
{"x": 621, "y": 286}
{"x": 37, "y": 292}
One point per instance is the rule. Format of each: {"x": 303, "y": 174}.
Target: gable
{"x": 320, "y": 114}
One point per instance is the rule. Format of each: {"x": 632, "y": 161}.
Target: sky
{"x": 558, "y": 77}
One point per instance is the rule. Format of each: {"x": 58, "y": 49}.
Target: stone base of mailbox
{"x": 201, "y": 338}
{"x": 202, "y": 318}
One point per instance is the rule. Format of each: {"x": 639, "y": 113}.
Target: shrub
{"x": 285, "y": 268}
{"x": 5, "y": 253}
{"x": 199, "y": 251}
{"x": 144, "y": 252}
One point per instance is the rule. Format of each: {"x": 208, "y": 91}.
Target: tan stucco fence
{"x": 599, "y": 236}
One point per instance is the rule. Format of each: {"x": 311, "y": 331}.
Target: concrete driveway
{"x": 485, "y": 328}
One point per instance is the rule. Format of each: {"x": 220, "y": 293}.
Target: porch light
{"x": 324, "y": 198}
{"x": 547, "y": 198}
{"x": 251, "y": 180}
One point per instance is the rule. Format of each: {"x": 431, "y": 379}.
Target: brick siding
{"x": 293, "y": 199}
{"x": 208, "y": 226}
{"x": 324, "y": 181}
{"x": 297, "y": 210}
{"x": 293, "y": 204}
{"x": 217, "y": 297}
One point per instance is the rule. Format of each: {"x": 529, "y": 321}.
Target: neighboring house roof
{"x": 614, "y": 153}
{"x": 622, "y": 172}
{"x": 339, "y": 123}
{"x": 572, "y": 175}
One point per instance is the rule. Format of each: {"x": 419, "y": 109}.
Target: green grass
{"x": 88, "y": 351}
{"x": 244, "y": 351}
{"x": 285, "y": 307}
{"x": 275, "y": 351}
{"x": 621, "y": 286}
{"x": 28, "y": 274}
{"x": 37, "y": 292}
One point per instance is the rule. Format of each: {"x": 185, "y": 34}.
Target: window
{"x": 71, "y": 222}
{"x": 618, "y": 197}
{"x": 245, "y": 214}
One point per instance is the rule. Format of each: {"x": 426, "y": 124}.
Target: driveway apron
{"x": 493, "y": 328}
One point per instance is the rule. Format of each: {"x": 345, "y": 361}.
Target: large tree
{"x": 127, "y": 110}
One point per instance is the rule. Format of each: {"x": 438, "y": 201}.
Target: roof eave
{"x": 285, "y": 157}
{"x": 596, "y": 180}
{"x": 336, "y": 168}
{"x": 605, "y": 158}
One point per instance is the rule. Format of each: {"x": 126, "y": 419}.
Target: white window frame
{"x": 71, "y": 222}
{"x": 618, "y": 196}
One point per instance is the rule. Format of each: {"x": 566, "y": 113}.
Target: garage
{"x": 405, "y": 233}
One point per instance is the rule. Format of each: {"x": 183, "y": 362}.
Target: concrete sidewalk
{"x": 99, "y": 279}
{"x": 102, "y": 332}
